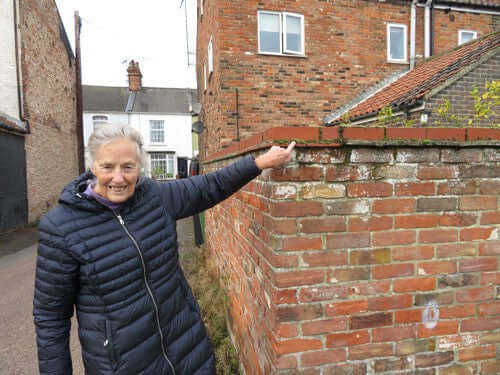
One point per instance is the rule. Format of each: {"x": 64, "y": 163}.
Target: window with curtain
{"x": 162, "y": 165}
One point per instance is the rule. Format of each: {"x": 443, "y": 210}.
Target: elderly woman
{"x": 110, "y": 249}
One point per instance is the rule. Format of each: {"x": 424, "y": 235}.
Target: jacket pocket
{"x": 108, "y": 343}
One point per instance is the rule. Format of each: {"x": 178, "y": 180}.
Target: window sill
{"x": 281, "y": 54}
{"x": 402, "y": 62}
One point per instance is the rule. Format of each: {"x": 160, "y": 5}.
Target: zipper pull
{"x": 120, "y": 220}
{"x": 106, "y": 342}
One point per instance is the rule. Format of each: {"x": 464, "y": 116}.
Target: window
{"x": 210, "y": 57}
{"x": 465, "y": 36}
{"x": 162, "y": 165}
{"x": 99, "y": 120}
{"x": 157, "y": 131}
{"x": 396, "y": 43}
{"x": 281, "y": 33}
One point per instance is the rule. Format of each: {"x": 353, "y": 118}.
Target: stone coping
{"x": 12, "y": 125}
{"x": 366, "y": 136}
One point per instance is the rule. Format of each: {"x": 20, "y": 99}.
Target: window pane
{"x": 293, "y": 30}
{"x": 158, "y": 165}
{"x": 466, "y": 36}
{"x": 397, "y": 43}
{"x": 157, "y": 133}
{"x": 269, "y": 32}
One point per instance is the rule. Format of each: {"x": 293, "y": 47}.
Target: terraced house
{"x": 377, "y": 250}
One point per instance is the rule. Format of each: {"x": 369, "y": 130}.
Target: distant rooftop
{"x": 149, "y": 99}
{"x": 411, "y": 87}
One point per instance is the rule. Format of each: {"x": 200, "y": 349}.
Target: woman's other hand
{"x": 275, "y": 157}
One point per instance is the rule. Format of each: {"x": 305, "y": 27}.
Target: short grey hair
{"x": 108, "y": 132}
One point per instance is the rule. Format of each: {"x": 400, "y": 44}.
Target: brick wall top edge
{"x": 372, "y": 136}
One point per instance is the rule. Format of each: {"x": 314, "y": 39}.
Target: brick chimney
{"x": 134, "y": 76}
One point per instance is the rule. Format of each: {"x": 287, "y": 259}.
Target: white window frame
{"x": 460, "y": 35}
{"x": 168, "y": 156}
{"x": 282, "y": 18}
{"x": 205, "y": 77}
{"x": 156, "y": 130}
{"x": 404, "y": 60}
{"x": 201, "y": 8}
{"x": 99, "y": 120}
{"x": 210, "y": 52}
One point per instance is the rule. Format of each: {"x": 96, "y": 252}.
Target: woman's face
{"x": 117, "y": 170}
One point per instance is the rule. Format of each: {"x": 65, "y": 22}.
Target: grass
{"x": 213, "y": 305}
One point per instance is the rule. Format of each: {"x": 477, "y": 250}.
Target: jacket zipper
{"x": 157, "y": 313}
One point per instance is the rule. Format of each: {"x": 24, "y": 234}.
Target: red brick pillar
{"x": 366, "y": 260}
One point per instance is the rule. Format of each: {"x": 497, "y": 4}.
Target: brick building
{"x": 377, "y": 250}
{"x": 252, "y": 75}
{"x": 38, "y": 144}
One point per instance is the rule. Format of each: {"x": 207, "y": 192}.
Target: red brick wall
{"x": 365, "y": 260}
{"x": 345, "y": 47}
{"x": 50, "y": 106}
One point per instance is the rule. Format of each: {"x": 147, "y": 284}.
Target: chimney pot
{"x": 134, "y": 76}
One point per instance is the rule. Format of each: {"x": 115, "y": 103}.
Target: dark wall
{"x": 13, "y": 202}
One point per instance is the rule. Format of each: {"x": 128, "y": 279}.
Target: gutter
{"x": 460, "y": 9}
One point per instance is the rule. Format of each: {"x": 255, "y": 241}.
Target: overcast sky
{"x": 152, "y": 32}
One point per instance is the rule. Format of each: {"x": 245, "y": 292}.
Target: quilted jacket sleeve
{"x": 188, "y": 196}
{"x": 55, "y": 287}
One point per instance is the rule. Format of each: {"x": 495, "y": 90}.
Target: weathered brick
{"x": 349, "y": 274}
{"x": 477, "y": 203}
{"x": 457, "y": 281}
{"x": 442, "y": 328}
{"x": 287, "y": 330}
{"x": 393, "y": 333}
{"x": 438, "y": 235}
{"x": 346, "y": 369}
{"x": 434, "y": 359}
{"x": 490, "y": 338}
{"x": 436, "y": 204}
{"x": 301, "y": 173}
{"x": 490, "y": 367}
{"x": 369, "y": 288}
{"x": 479, "y": 171}
{"x": 296, "y": 278}
{"x": 478, "y": 264}
{"x": 461, "y": 311}
{"x": 347, "y": 339}
{"x": 489, "y": 187}
{"x": 412, "y": 253}
{"x": 414, "y": 188}
{"x": 325, "y": 326}
{"x": 371, "y": 321}
{"x": 416, "y": 221}
{"x": 322, "y": 293}
{"x": 296, "y": 209}
{"x": 436, "y": 267}
{"x": 415, "y": 346}
{"x": 346, "y": 307}
{"x": 489, "y": 308}
{"x": 349, "y": 207}
{"x": 284, "y": 191}
{"x": 369, "y": 189}
{"x": 390, "y": 303}
{"x": 457, "y": 220}
{"x": 456, "y": 250}
{"x": 363, "y": 257}
{"x": 348, "y": 173}
{"x": 489, "y": 248}
{"x": 417, "y": 155}
{"x": 370, "y": 155}
{"x": 398, "y": 364}
{"x": 298, "y": 313}
{"x": 400, "y": 237}
{"x": 369, "y": 223}
{"x": 302, "y": 243}
{"x": 296, "y": 345}
{"x": 393, "y": 270}
{"x": 477, "y": 234}
{"x": 322, "y": 191}
{"x": 401, "y": 171}
{"x": 329, "y": 156}
{"x": 327, "y": 225}
{"x": 437, "y": 173}
{"x": 325, "y": 258}
{"x": 323, "y": 357}
{"x": 490, "y": 218}
{"x": 412, "y": 285}
{"x": 348, "y": 240}
{"x": 479, "y": 324}
{"x": 477, "y": 353}
{"x": 457, "y": 187}
{"x": 370, "y": 351}
{"x": 475, "y": 294}
{"x": 461, "y": 155}
{"x": 394, "y": 206}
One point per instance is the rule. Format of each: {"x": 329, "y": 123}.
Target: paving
{"x": 18, "y": 354}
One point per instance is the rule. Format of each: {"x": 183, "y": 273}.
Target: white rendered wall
{"x": 9, "y": 103}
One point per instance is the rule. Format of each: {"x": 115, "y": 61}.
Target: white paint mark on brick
{"x": 421, "y": 271}
{"x": 361, "y": 207}
{"x": 495, "y": 234}
{"x": 286, "y": 191}
{"x": 430, "y": 315}
{"x": 333, "y": 280}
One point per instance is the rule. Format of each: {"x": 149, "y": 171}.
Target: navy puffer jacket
{"x": 136, "y": 313}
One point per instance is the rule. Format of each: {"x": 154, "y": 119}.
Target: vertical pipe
{"x": 413, "y": 27}
{"x": 427, "y": 30}
{"x": 79, "y": 96}
{"x": 237, "y": 115}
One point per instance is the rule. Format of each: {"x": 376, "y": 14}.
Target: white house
{"x": 162, "y": 115}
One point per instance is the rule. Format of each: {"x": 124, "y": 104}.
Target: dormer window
{"x": 465, "y": 36}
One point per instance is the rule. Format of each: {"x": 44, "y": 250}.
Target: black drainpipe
{"x": 237, "y": 115}
{"x": 431, "y": 21}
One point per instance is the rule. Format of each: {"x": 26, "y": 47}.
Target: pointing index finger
{"x": 290, "y": 146}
